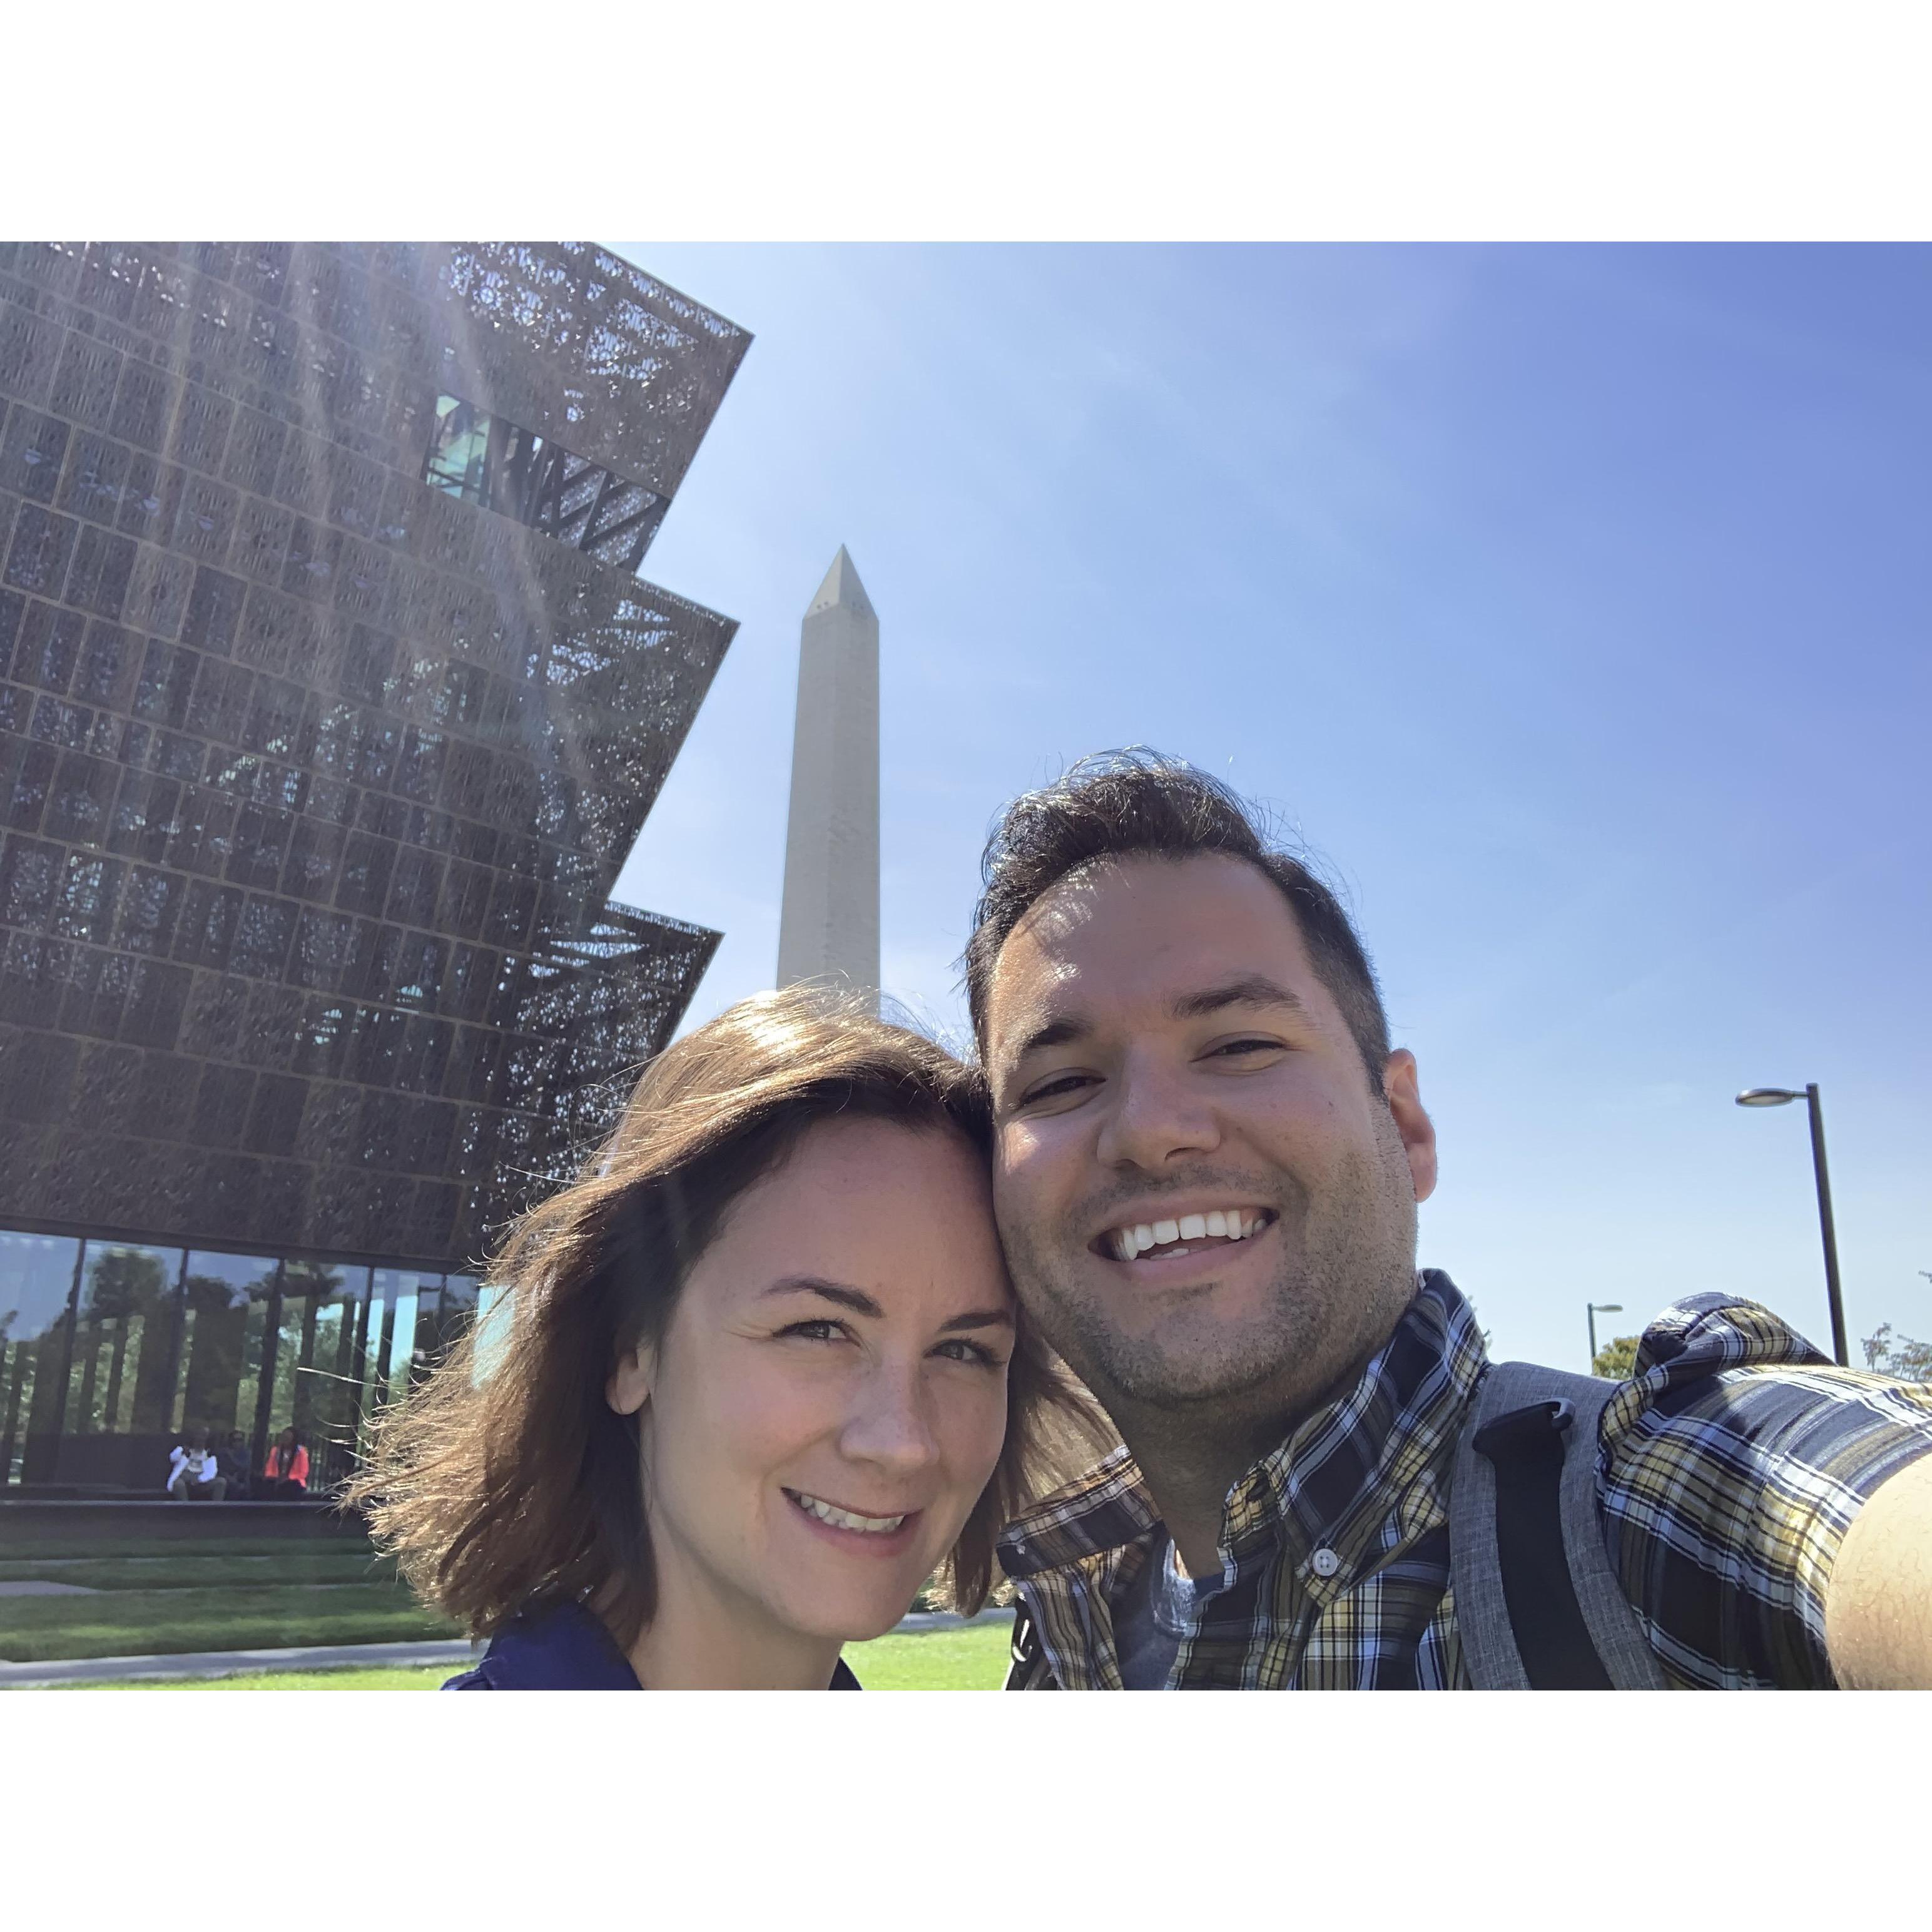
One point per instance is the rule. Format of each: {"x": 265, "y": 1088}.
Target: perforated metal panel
{"x": 314, "y": 777}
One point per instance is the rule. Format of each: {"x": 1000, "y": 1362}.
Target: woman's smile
{"x": 854, "y": 1531}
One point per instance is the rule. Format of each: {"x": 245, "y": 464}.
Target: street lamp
{"x": 1596, "y": 1308}
{"x": 1780, "y": 1096}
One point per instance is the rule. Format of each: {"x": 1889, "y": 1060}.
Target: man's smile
{"x": 1182, "y": 1234}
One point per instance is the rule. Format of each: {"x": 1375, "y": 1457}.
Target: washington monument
{"x": 828, "y": 924}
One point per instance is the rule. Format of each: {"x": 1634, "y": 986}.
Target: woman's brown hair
{"x": 506, "y": 1480}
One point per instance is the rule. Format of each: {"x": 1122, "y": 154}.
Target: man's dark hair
{"x": 1139, "y": 804}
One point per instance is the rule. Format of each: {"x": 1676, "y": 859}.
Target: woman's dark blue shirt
{"x": 564, "y": 1648}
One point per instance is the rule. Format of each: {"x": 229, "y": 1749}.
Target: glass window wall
{"x": 459, "y": 446}
{"x": 38, "y": 1275}
{"x": 403, "y": 1306}
{"x": 229, "y": 1299}
{"x": 404, "y": 1297}
{"x": 121, "y": 1368}
{"x": 111, "y": 1351}
{"x": 441, "y": 1320}
{"x": 315, "y": 1325}
{"x": 493, "y": 1331}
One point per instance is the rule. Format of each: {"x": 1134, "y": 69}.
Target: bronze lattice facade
{"x": 331, "y": 703}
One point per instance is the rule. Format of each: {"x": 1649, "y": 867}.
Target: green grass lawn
{"x": 158, "y": 1597}
{"x": 146, "y": 1623}
{"x": 34, "y": 1554}
{"x": 973, "y": 1659}
{"x": 430, "y": 1677}
{"x": 192, "y": 1571}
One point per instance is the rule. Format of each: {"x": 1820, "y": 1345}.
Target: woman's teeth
{"x": 841, "y": 1518}
{"x": 1229, "y": 1224}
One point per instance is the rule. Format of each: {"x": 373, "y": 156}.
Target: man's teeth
{"x": 840, "y": 1519}
{"x": 1230, "y": 1224}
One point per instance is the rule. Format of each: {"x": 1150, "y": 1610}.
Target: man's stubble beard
{"x": 1345, "y": 1271}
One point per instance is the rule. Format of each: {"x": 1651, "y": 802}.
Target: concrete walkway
{"x": 454, "y": 1653}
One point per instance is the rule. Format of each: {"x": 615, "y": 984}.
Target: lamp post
{"x": 1780, "y": 1096}
{"x": 1596, "y": 1308}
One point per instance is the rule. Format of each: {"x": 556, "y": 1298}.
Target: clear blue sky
{"x": 1572, "y": 603}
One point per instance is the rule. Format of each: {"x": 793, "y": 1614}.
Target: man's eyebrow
{"x": 1055, "y": 1033}
{"x": 856, "y": 1299}
{"x": 1252, "y": 989}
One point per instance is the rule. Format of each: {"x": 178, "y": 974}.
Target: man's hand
{"x": 1878, "y": 1605}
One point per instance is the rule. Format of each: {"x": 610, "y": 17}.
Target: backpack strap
{"x": 1538, "y": 1604}
{"x": 1029, "y": 1669}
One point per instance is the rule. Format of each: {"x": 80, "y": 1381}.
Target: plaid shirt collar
{"x": 1331, "y": 1486}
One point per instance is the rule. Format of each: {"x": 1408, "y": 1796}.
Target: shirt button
{"x": 1325, "y": 1562}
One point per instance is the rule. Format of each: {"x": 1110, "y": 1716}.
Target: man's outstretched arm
{"x": 1878, "y": 1605}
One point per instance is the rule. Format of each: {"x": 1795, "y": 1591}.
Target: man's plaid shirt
{"x": 1728, "y": 1469}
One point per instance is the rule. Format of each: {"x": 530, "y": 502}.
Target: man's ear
{"x": 629, "y": 1387}
{"x": 1411, "y": 1121}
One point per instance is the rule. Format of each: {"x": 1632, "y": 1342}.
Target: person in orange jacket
{"x": 285, "y": 1469}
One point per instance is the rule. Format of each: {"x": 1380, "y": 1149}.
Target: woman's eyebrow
{"x": 984, "y": 1318}
{"x": 856, "y": 1299}
{"x": 860, "y": 1303}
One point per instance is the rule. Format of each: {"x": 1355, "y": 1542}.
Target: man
{"x": 1207, "y": 1163}
{"x": 234, "y": 1460}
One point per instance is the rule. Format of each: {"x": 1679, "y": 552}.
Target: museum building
{"x": 331, "y": 704}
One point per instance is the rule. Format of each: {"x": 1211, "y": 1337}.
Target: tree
{"x": 1489, "y": 1347}
{"x": 1616, "y": 1361}
{"x": 125, "y": 1281}
{"x": 1887, "y": 1354}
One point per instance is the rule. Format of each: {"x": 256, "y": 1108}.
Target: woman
{"x": 761, "y": 1376}
{"x": 285, "y": 1468}
{"x": 193, "y": 1476}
